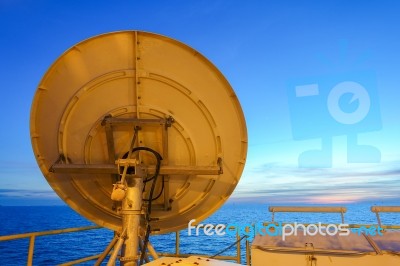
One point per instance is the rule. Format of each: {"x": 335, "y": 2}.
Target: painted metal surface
{"x": 88, "y": 102}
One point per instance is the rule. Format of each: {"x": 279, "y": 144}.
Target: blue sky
{"x": 267, "y": 50}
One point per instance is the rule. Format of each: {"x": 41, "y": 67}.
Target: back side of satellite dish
{"x": 139, "y": 133}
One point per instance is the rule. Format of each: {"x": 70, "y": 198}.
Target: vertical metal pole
{"x": 131, "y": 211}
{"x": 30, "y": 252}
{"x": 177, "y": 242}
{"x": 238, "y": 249}
{"x": 248, "y": 262}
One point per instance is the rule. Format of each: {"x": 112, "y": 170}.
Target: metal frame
{"x": 237, "y": 258}
{"x": 113, "y": 169}
{"x": 132, "y": 209}
{"x": 274, "y": 209}
{"x": 115, "y": 241}
{"x": 378, "y": 209}
{"x": 32, "y": 237}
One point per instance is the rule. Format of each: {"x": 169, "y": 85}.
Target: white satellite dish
{"x": 101, "y": 91}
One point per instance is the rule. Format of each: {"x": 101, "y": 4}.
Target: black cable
{"x": 145, "y": 242}
{"x": 150, "y": 199}
{"x": 157, "y": 172}
{"x": 225, "y": 249}
{"x": 161, "y": 191}
{"x": 155, "y": 153}
{"x": 159, "y": 194}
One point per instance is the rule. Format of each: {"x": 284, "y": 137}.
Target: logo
{"x": 322, "y": 107}
{"x": 279, "y": 229}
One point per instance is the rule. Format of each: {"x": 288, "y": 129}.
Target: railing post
{"x": 248, "y": 262}
{"x": 177, "y": 242}
{"x": 30, "y": 251}
{"x": 238, "y": 249}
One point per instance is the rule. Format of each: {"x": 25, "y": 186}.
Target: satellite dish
{"x": 132, "y": 87}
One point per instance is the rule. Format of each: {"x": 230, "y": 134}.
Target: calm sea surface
{"x": 53, "y": 250}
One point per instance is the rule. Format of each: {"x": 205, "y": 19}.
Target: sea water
{"x": 56, "y": 249}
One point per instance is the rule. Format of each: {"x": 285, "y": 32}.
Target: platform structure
{"x": 362, "y": 246}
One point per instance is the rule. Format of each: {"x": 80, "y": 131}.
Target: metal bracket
{"x": 128, "y": 162}
{"x": 137, "y": 121}
{"x": 219, "y": 162}
{"x": 169, "y": 121}
{"x": 132, "y": 258}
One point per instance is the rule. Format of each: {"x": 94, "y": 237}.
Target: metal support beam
{"x": 110, "y": 147}
{"x": 137, "y": 121}
{"x": 103, "y": 255}
{"x": 306, "y": 209}
{"x": 117, "y": 248}
{"x": 152, "y": 251}
{"x": 113, "y": 169}
{"x": 385, "y": 208}
{"x": 323, "y": 209}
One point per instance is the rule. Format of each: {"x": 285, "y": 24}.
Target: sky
{"x": 317, "y": 81}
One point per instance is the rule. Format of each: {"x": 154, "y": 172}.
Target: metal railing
{"x": 33, "y": 235}
{"x": 337, "y": 209}
{"x": 341, "y": 210}
{"x": 274, "y": 209}
{"x": 378, "y": 209}
{"x": 237, "y": 258}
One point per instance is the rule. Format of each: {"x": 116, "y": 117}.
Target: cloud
{"x": 285, "y": 183}
{"x": 29, "y": 197}
{"x": 27, "y": 193}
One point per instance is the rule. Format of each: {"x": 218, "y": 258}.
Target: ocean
{"x": 56, "y": 249}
